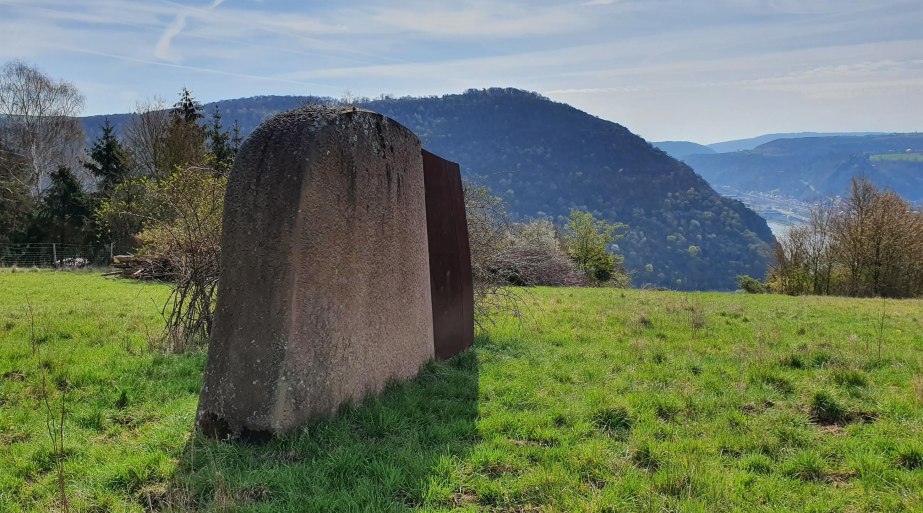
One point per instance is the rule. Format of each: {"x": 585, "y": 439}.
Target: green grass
{"x": 594, "y": 400}
{"x": 905, "y": 156}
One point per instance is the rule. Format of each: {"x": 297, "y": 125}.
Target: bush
{"x": 488, "y": 236}
{"x": 181, "y": 217}
{"x": 587, "y": 241}
{"x": 751, "y": 285}
{"x": 536, "y": 266}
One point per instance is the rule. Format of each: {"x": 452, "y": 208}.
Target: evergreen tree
{"x": 184, "y": 140}
{"x": 187, "y": 109}
{"x": 236, "y": 138}
{"x": 110, "y": 163}
{"x": 65, "y": 210}
{"x": 219, "y": 144}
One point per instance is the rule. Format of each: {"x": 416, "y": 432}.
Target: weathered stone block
{"x": 325, "y": 284}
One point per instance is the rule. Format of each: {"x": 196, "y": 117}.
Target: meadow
{"x": 905, "y": 156}
{"x": 596, "y": 400}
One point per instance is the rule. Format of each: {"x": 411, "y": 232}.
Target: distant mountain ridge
{"x": 814, "y": 168}
{"x": 679, "y": 149}
{"x": 752, "y": 142}
{"x": 546, "y": 158}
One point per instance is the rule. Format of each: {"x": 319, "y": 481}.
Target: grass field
{"x": 905, "y": 156}
{"x": 593, "y": 400}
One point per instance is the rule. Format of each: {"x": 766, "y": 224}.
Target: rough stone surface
{"x": 325, "y": 287}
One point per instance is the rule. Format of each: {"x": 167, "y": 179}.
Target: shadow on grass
{"x": 391, "y": 453}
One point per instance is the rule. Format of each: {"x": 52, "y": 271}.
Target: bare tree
{"x": 161, "y": 141}
{"x": 146, "y": 135}
{"x": 789, "y": 273}
{"x": 851, "y": 228}
{"x": 16, "y": 201}
{"x": 818, "y": 246}
{"x": 38, "y": 121}
{"x": 870, "y": 244}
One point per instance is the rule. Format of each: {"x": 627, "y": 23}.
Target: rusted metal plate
{"x": 449, "y": 257}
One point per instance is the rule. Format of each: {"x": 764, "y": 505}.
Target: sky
{"x": 703, "y": 70}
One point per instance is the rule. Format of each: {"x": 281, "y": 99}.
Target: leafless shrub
{"x": 54, "y": 424}
{"x": 488, "y": 236}
{"x": 697, "y": 321}
{"x": 537, "y": 265}
{"x": 181, "y": 242}
{"x": 881, "y": 325}
{"x": 189, "y": 241}
{"x": 54, "y": 417}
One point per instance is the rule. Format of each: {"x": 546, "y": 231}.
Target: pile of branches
{"x": 141, "y": 267}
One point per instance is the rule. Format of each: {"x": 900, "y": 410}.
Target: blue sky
{"x": 705, "y": 70}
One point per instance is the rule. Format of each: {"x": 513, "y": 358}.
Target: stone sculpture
{"x": 325, "y": 280}
{"x": 449, "y": 257}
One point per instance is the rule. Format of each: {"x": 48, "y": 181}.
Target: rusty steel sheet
{"x": 449, "y": 257}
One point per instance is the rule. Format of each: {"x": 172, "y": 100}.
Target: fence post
{"x": 54, "y": 254}
{"x": 111, "y": 245}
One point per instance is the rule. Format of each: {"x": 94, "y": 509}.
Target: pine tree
{"x": 187, "y": 109}
{"x": 110, "y": 162}
{"x": 65, "y": 209}
{"x": 184, "y": 143}
{"x": 236, "y": 138}
{"x": 219, "y": 144}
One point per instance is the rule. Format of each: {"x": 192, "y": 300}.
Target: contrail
{"x": 193, "y": 68}
{"x": 162, "y": 49}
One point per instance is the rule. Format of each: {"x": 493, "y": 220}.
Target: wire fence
{"x": 55, "y": 255}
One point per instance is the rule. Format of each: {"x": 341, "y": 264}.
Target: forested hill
{"x": 753, "y": 142}
{"x": 813, "y": 168}
{"x": 546, "y": 158}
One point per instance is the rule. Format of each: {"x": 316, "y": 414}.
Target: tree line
{"x": 869, "y": 243}
{"x": 157, "y": 191}
{"x": 54, "y": 189}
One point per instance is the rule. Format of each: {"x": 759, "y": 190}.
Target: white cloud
{"x": 668, "y": 67}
